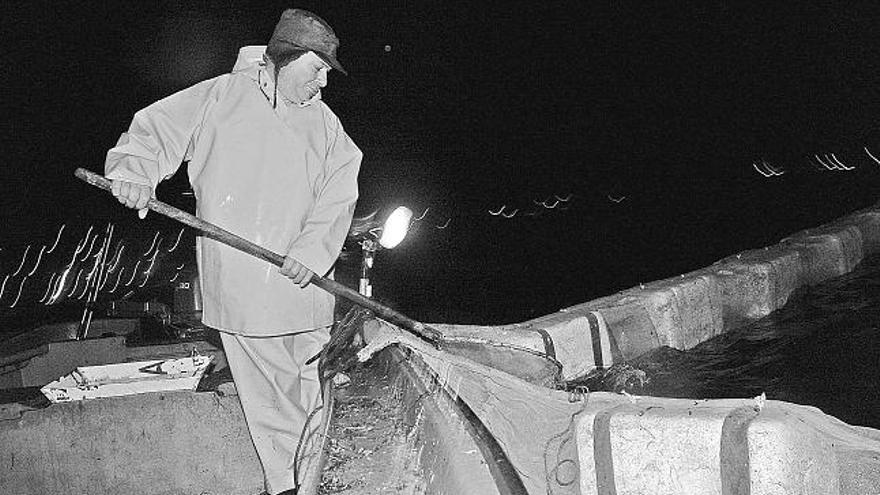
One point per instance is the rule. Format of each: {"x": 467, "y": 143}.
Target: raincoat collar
{"x": 250, "y": 61}
{"x": 249, "y": 56}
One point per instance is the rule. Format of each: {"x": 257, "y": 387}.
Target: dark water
{"x": 822, "y": 349}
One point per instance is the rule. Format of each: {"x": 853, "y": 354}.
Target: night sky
{"x": 620, "y": 138}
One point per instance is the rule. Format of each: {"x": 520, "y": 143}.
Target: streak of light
{"x": 445, "y": 224}
{"x": 367, "y": 218}
{"x": 128, "y": 294}
{"x": 833, "y": 165}
{"x": 511, "y": 215}
{"x": 755, "y": 166}
{"x": 152, "y": 244}
{"x": 73, "y": 258}
{"x": 146, "y": 277}
{"x": 841, "y": 163}
{"x": 23, "y": 258}
{"x": 548, "y": 206}
{"x": 422, "y": 215}
{"x": 104, "y": 282}
{"x": 81, "y": 246}
{"x": 48, "y": 288}
{"x": 102, "y": 262}
{"x": 3, "y": 285}
{"x": 118, "y": 256}
{"x": 176, "y": 242}
{"x": 815, "y": 165}
{"x": 118, "y": 277}
{"x": 767, "y": 170}
{"x": 149, "y": 269}
{"x": 75, "y": 283}
{"x": 95, "y": 265}
{"x": 827, "y": 167}
{"x": 565, "y": 199}
{"x": 181, "y": 266}
{"x": 20, "y": 287}
{"x": 872, "y": 156}
{"x": 60, "y": 287}
{"x": 133, "y": 273}
{"x": 57, "y": 238}
{"x": 91, "y": 246}
{"x": 773, "y": 170}
{"x": 496, "y": 213}
{"x": 37, "y": 264}
{"x": 172, "y": 279}
{"x": 618, "y": 200}
{"x": 157, "y": 247}
{"x": 84, "y": 289}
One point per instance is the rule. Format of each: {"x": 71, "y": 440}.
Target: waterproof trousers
{"x": 278, "y": 392}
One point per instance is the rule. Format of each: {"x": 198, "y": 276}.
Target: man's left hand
{"x": 296, "y": 271}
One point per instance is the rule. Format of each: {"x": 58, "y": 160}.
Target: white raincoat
{"x": 283, "y": 178}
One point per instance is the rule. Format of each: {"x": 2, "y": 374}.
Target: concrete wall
{"x": 685, "y": 310}
{"x": 680, "y": 446}
{"x": 150, "y": 444}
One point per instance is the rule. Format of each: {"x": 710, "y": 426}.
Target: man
{"x": 268, "y": 161}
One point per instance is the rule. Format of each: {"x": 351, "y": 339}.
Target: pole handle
{"x": 420, "y": 329}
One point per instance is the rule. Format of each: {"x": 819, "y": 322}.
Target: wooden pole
{"x": 420, "y": 329}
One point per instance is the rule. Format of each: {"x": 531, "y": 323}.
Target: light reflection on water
{"x": 821, "y": 349}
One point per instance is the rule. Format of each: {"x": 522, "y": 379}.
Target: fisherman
{"x": 270, "y": 162}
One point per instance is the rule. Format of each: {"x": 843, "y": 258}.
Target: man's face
{"x": 302, "y": 79}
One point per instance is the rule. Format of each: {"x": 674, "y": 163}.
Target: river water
{"x": 821, "y": 349}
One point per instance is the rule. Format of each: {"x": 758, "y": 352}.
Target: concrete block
{"x": 581, "y": 340}
{"x": 627, "y": 322}
{"x": 681, "y": 446}
{"x": 149, "y": 444}
{"x": 757, "y": 282}
{"x": 868, "y": 224}
{"x": 518, "y": 335}
{"x": 527, "y": 353}
{"x": 783, "y": 454}
{"x": 827, "y": 251}
{"x": 684, "y": 311}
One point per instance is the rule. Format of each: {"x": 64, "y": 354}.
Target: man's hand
{"x": 296, "y": 271}
{"x": 133, "y": 195}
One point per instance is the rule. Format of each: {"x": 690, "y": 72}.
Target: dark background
{"x": 647, "y": 117}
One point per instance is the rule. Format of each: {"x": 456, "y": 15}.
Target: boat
{"x": 185, "y": 439}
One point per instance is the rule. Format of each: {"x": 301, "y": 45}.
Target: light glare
{"x": 396, "y": 227}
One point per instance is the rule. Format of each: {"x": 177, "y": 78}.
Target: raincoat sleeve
{"x": 326, "y": 227}
{"x": 161, "y": 135}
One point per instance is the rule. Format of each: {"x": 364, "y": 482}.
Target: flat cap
{"x": 300, "y": 29}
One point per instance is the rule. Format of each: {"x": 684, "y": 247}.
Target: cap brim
{"x": 332, "y": 62}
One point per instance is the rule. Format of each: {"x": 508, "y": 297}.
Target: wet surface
{"x": 822, "y": 349}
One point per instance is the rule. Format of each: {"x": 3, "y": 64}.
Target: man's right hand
{"x": 133, "y": 195}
